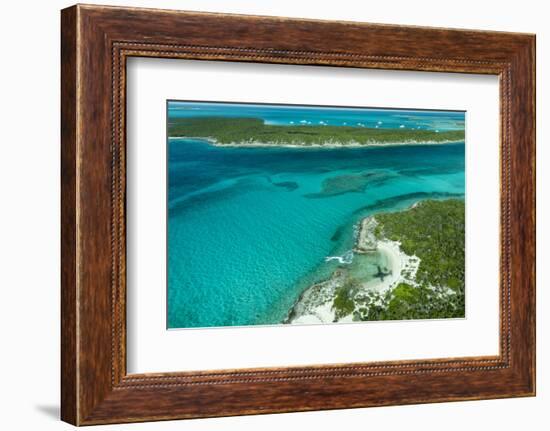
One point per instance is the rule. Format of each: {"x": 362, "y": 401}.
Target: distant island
{"x": 423, "y": 277}
{"x": 254, "y": 132}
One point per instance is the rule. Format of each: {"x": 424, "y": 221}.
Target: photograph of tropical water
{"x": 297, "y": 214}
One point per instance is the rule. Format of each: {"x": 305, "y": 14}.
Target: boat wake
{"x": 345, "y": 259}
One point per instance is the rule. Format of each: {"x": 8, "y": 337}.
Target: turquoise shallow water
{"x": 316, "y": 115}
{"x": 250, "y": 228}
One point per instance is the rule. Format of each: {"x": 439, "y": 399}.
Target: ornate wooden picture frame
{"x": 96, "y": 41}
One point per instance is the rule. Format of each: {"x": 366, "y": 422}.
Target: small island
{"x": 423, "y": 277}
{"x": 254, "y": 132}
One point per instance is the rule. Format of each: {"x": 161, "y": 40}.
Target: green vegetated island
{"x": 254, "y": 132}
{"x": 418, "y": 253}
{"x": 421, "y": 275}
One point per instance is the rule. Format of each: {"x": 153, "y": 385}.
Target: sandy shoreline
{"x": 399, "y": 263}
{"x": 329, "y": 145}
{"x": 315, "y": 305}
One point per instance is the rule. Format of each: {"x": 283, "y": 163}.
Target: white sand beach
{"x": 400, "y": 265}
{"x": 328, "y": 144}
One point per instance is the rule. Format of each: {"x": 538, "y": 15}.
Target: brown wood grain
{"x": 96, "y": 41}
{"x": 68, "y": 217}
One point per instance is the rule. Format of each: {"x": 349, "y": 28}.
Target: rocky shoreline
{"x": 311, "y": 306}
{"x": 366, "y": 240}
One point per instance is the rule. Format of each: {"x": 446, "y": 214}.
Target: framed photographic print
{"x": 307, "y": 213}
{"x": 283, "y": 215}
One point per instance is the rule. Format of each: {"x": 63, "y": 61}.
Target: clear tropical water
{"x": 250, "y": 228}
{"x": 314, "y": 115}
